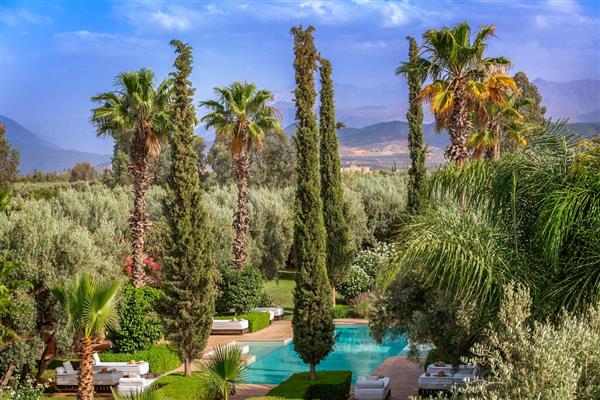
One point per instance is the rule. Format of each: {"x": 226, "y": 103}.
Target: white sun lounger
{"x": 67, "y": 378}
{"x": 277, "y": 312}
{"x": 229, "y": 327}
{"x": 132, "y": 385}
{"x": 372, "y": 388}
{"x": 140, "y": 368}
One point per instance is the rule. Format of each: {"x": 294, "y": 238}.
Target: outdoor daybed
{"x": 140, "y": 367}
{"x": 229, "y": 327}
{"x": 372, "y": 388}
{"x": 133, "y": 383}
{"x": 443, "y": 378}
{"x": 277, "y": 312}
{"x": 67, "y": 378}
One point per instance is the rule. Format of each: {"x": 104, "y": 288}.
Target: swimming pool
{"x": 354, "y": 350}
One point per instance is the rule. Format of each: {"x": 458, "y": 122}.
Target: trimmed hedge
{"x": 257, "y": 320}
{"x": 160, "y": 357}
{"x": 330, "y": 385}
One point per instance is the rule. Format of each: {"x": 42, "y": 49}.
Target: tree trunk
{"x": 458, "y": 128}
{"x": 313, "y": 371}
{"x": 333, "y": 292}
{"x": 7, "y": 375}
{"x": 85, "y": 389}
{"x": 187, "y": 366}
{"x": 138, "y": 222}
{"x": 240, "y": 220}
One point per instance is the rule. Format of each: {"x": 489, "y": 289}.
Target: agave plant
{"x": 223, "y": 372}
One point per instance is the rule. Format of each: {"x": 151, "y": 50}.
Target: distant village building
{"x": 356, "y": 168}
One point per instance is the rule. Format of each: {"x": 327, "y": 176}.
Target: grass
{"x": 179, "y": 387}
{"x": 331, "y": 385}
{"x": 282, "y": 290}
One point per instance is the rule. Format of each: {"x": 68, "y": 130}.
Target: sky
{"x": 54, "y": 55}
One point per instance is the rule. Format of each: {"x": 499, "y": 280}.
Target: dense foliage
{"x": 340, "y": 246}
{"x": 9, "y": 160}
{"x": 312, "y": 321}
{"x": 239, "y": 289}
{"x": 189, "y": 270}
{"x": 139, "y": 325}
{"x": 414, "y": 116}
{"x": 334, "y": 385}
{"x": 161, "y": 357}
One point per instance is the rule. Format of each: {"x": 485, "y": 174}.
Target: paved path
{"x": 404, "y": 376}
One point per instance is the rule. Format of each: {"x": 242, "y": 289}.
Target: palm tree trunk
{"x": 187, "y": 366}
{"x": 138, "y": 222}
{"x": 85, "y": 389}
{"x": 458, "y": 128}
{"x": 240, "y": 220}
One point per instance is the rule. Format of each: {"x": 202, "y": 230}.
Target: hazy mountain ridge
{"x": 36, "y": 153}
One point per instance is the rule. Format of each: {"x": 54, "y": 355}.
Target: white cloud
{"x": 16, "y": 18}
{"x": 105, "y": 44}
{"x": 564, "y": 6}
{"x": 541, "y": 21}
{"x": 169, "y": 21}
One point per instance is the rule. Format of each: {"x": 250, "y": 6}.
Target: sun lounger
{"x": 442, "y": 381}
{"x": 133, "y": 384}
{"x": 372, "y": 388}
{"x": 67, "y": 378}
{"x": 277, "y": 311}
{"x": 229, "y": 327}
{"x": 448, "y": 369}
{"x": 139, "y": 367}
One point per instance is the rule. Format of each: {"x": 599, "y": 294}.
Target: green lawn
{"x": 179, "y": 387}
{"x": 282, "y": 290}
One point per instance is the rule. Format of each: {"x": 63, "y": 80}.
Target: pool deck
{"x": 404, "y": 373}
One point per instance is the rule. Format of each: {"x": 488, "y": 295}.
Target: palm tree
{"x": 462, "y": 77}
{"x": 241, "y": 116}
{"x": 497, "y": 121}
{"x": 138, "y": 112}
{"x": 90, "y": 307}
{"x": 223, "y": 372}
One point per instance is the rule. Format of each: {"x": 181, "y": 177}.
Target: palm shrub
{"x": 137, "y": 111}
{"x": 462, "y": 78}
{"x": 241, "y": 116}
{"x": 223, "y": 371}
{"x": 90, "y": 308}
{"x": 150, "y": 393}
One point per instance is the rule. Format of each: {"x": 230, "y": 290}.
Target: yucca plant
{"x": 90, "y": 305}
{"x": 224, "y": 370}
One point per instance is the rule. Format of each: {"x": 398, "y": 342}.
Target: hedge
{"x": 341, "y": 311}
{"x": 160, "y": 357}
{"x": 257, "y": 320}
{"x": 330, "y": 385}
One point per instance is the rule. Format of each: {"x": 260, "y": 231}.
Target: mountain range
{"x": 375, "y": 133}
{"x": 36, "y": 153}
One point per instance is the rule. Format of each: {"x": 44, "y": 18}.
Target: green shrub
{"x": 356, "y": 282}
{"x": 257, "y": 320}
{"x": 240, "y": 289}
{"x": 362, "y": 305}
{"x": 436, "y": 355}
{"x": 160, "y": 357}
{"x": 265, "y": 299}
{"x": 341, "y": 311}
{"x": 330, "y": 385}
{"x": 139, "y": 326}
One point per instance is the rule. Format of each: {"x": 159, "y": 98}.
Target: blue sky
{"x": 56, "y": 54}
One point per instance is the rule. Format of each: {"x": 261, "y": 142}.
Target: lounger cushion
{"x": 369, "y": 383}
{"x": 68, "y": 367}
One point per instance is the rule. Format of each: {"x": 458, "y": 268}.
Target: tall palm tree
{"x": 223, "y": 372}
{"x": 137, "y": 111}
{"x": 497, "y": 121}
{"x": 241, "y": 116}
{"x": 461, "y": 78}
{"x": 90, "y": 308}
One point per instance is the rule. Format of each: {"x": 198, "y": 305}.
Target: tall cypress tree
{"x": 417, "y": 148}
{"x": 340, "y": 247}
{"x": 189, "y": 267}
{"x": 313, "y": 318}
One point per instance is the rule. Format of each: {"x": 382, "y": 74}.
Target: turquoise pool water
{"x": 354, "y": 350}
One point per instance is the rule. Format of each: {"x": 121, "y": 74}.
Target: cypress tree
{"x": 313, "y": 317}
{"x": 189, "y": 267}
{"x": 340, "y": 246}
{"x": 417, "y": 148}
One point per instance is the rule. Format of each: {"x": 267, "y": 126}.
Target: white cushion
{"x": 96, "y": 358}
{"x": 68, "y": 367}
{"x": 226, "y": 324}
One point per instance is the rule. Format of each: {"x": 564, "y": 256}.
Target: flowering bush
{"x": 26, "y": 389}
{"x": 373, "y": 260}
{"x": 356, "y": 282}
{"x": 151, "y": 267}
